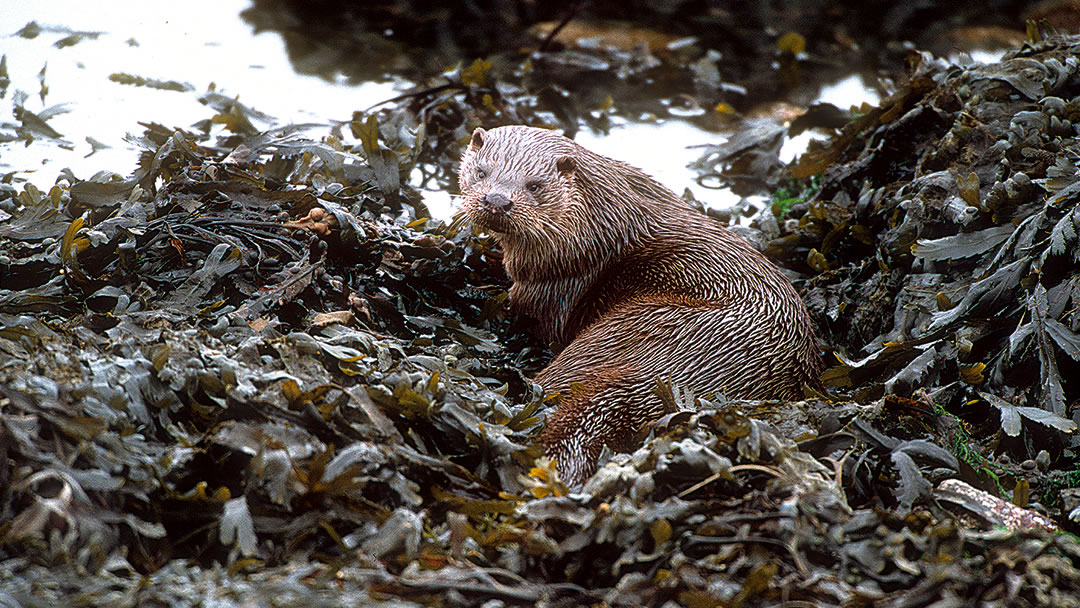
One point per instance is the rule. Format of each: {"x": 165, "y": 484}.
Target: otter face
{"x": 517, "y": 181}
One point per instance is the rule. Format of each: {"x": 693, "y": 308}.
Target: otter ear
{"x": 566, "y": 165}
{"x": 477, "y": 138}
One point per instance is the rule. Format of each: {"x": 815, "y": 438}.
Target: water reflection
{"x": 200, "y": 44}
{"x": 663, "y": 150}
{"x": 848, "y": 92}
{"x": 203, "y": 45}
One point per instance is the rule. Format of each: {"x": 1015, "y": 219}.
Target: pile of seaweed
{"x": 255, "y": 373}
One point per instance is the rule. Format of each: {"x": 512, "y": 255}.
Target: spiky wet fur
{"x": 637, "y": 283}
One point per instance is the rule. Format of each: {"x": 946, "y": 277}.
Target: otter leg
{"x": 606, "y": 413}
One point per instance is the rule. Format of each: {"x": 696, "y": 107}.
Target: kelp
{"x": 252, "y": 371}
{"x": 985, "y": 252}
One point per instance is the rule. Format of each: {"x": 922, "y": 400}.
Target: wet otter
{"x": 639, "y": 285}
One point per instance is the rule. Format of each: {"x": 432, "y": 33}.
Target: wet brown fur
{"x": 637, "y": 283}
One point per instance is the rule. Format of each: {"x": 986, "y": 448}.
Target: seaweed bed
{"x": 254, "y": 373}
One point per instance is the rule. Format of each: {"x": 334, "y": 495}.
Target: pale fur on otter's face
{"x": 569, "y": 210}
{"x": 531, "y": 168}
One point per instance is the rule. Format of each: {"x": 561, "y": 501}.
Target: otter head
{"x": 518, "y": 182}
{"x": 557, "y": 209}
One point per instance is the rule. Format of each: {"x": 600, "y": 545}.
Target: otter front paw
{"x": 574, "y": 458}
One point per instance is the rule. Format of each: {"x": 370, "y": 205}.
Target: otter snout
{"x": 497, "y": 203}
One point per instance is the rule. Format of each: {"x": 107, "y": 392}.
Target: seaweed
{"x": 256, "y": 371}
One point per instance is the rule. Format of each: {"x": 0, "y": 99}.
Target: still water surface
{"x": 200, "y": 43}
{"x": 206, "y": 45}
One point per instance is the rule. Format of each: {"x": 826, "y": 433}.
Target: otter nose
{"x": 497, "y": 203}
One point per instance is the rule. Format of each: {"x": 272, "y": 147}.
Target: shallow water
{"x": 205, "y": 45}
{"x": 198, "y": 43}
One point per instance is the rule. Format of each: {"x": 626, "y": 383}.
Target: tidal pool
{"x": 61, "y": 53}
{"x": 68, "y": 61}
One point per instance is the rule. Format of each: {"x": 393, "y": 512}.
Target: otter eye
{"x": 533, "y": 187}
{"x": 481, "y": 174}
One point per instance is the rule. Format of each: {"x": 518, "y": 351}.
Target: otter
{"x": 636, "y": 283}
